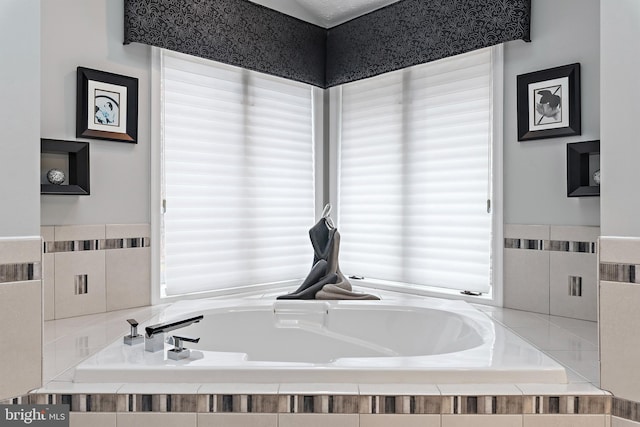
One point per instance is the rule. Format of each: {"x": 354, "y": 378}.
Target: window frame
{"x": 495, "y": 296}
{"x": 157, "y": 177}
{"x": 326, "y": 116}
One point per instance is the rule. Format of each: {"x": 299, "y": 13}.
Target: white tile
{"x": 620, "y": 340}
{"x": 574, "y": 233}
{"x": 534, "y": 232}
{"x": 68, "y": 266}
{"x": 481, "y": 420}
{"x": 70, "y": 350}
{"x": 318, "y": 420}
{"x": 621, "y": 422}
{"x": 623, "y": 250}
{"x": 237, "y": 420}
{"x": 124, "y": 231}
{"x": 149, "y": 419}
{"x": 16, "y": 250}
{"x": 518, "y": 318}
{"x": 238, "y": 388}
{"x": 562, "y": 266}
{"x": 584, "y": 363}
{"x": 48, "y": 286}
{"x": 543, "y": 420}
{"x": 583, "y": 328}
{"x": 59, "y": 328}
{"x": 21, "y": 320}
{"x": 526, "y": 280}
{"x": 128, "y": 278}
{"x": 84, "y": 419}
{"x": 486, "y": 308}
{"x": 67, "y": 387}
{"x": 318, "y": 388}
{"x": 47, "y": 233}
{"x": 574, "y": 389}
{"x": 159, "y": 388}
{"x": 399, "y": 420}
{"x": 554, "y": 338}
{"x": 399, "y": 389}
{"x": 65, "y": 233}
{"x": 479, "y": 389}
{"x": 575, "y": 378}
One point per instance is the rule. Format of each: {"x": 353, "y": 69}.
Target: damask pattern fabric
{"x": 234, "y": 32}
{"x": 242, "y": 33}
{"x": 412, "y": 32}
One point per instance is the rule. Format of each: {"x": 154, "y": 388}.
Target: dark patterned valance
{"x": 412, "y": 32}
{"x": 409, "y": 32}
{"x": 235, "y": 32}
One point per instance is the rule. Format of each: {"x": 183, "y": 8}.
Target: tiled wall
{"x": 91, "y": 269}
{"x": 620, "y": 316}
{"x": 421, "y": 405}
{"x": 20, "y": 315}
{"x": 551, "y": 270}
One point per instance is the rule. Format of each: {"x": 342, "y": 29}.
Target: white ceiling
{"x": 325, "y": 13}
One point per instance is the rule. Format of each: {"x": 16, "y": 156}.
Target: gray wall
{"x": 89, "y": 33}
{"x": 20, "y": 118}
{"x": 563, "y": 32}
{"x": 620, "y": 145}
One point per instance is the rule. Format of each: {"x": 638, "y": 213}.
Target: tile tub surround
{"x": 551, "y": 269}
{"x": 426, "y": 397}
{"x": 20, "y": 259}
{"x": 306, "y": 410}
{"x": 20, "y": 314}
{"x": 619, "y": 316}
{"x": 115, "y": 258}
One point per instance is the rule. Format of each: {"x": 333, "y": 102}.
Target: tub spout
{"x": 154, "y": 334}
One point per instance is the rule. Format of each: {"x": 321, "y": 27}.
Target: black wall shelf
{"x": 78, "y": 170}
{"x": 583, "y": 160}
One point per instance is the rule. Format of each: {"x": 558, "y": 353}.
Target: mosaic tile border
{"x": 375, "y": 404}
{"x": 551, "y": 245}
{"x": 96, "y": 244}
{"x": 20, "y": 272}
{"x": 627, "y": 409}
{"x": 624, "y": 273}
{"x": 339, "y": 404}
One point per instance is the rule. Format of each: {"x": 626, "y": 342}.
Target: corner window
{"x": 238, "y": 176}
{"x": 415, "y": 174}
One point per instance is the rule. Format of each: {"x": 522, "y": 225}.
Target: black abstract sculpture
{"x": 325, "y": 280}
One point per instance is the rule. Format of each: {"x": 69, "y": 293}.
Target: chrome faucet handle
{"x": 178, "y": 352}
{"x": 133, "y": 338}
{"x": 177, "y": 341}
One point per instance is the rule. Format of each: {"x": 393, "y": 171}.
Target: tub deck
{"x": 420, "y": 341}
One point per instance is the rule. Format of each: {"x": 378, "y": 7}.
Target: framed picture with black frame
{"x": 107, "y": 106}
{"x": 549, "y": 103}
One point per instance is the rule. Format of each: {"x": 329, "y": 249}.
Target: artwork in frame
{"x": 107, "y": 106}
{"x": 549, "y": 103}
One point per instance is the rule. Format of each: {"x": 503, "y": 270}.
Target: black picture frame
{"x": 106, "y": 106}
{"x": 548, "y": 103}
{"x": 583, "y": 160}
{"x": 78, "y": 171}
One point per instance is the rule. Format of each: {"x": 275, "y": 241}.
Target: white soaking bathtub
{"x": 407, "y": 340}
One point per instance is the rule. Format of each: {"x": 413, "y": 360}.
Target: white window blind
{"x": 238, "y": 176}
{"x": 414, "y": 174}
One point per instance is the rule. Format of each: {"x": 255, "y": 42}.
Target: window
{"x": 415, "y": 174}
{"x": 238, "y": 176}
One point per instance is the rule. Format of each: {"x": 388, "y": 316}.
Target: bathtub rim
{"x": 554, "y": 369}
